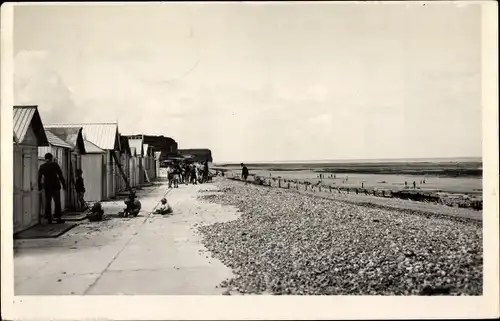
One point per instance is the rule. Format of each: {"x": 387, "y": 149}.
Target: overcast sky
{"x": 262, "y": 81}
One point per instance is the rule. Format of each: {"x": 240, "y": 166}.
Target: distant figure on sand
{"x": 244, "y": 172}
{"x": 177, "y": 174}
{"x": 205, "y": 172}
{"x": 414, "y": 185}
{"x": 170, "y": 175}
{"x": 192, "y": 170}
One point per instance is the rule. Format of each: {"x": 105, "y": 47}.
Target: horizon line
{"x": 348, "y": 159}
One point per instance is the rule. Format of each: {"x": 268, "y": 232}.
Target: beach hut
{"x": 74, "y": 137}
{"x": 137, "y": 144}
{"x": 106, "y": 137}
{"x": 94, "y": 172}
{"x": 157, "y": 164}
{"x": 29, "y": 134}
{"x": 152, "y": 163}
{"x": 146, "y": 163}
{"x": 62, "y": 156}
{"x": 133, "y": 167}
{"x": 125, "y": 154}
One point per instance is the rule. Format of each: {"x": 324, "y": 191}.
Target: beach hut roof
{"x": 71, "y": 135}
{"x": 137, "y": 144}
{"x": 103, "y": 135}
{"x": 24, "y": 117}
{"x": 91, "y": 148}
{"x": 56, "y": 141}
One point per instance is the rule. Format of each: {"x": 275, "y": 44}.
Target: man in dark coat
{"x": 52, "y": 181}
{"x": 205, "y": 172}
{"x": 244, "y": 172}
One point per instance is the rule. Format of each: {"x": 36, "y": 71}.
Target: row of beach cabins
{"x": 91, "y": 147}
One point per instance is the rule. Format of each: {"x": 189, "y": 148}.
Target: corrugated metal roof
{"x": 137, "y": 144}
{"x": 68, "y": 134}
{"x": 23, "y": 118}
{"x": 91, "y": 148}
{"x": 56, "y": 141}
{"x": 103, "y": 135}
{"x": 71, "y": 135}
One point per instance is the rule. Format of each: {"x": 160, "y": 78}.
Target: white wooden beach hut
{"x": 137, "y": 143}
{"x": 133, "y": 167}
{"x": 94, "y": 172}
{"x": 145, "y": 161}
{"x": 125, "y": 154}
{"x": 29, "y": 134}
{"x": 157, "y": 164}
{"x": 106, "y": 137}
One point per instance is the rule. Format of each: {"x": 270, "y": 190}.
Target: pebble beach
{"x": 288, "y": 243}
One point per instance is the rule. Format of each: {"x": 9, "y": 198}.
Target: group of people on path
{"x": 187, "y": 173}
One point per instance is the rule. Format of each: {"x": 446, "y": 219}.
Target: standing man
{"x": 244, "y": 172}
{"x": 170, "y": 175}
{"x": 52, "y": 181}
{"x": 205, "y": 172}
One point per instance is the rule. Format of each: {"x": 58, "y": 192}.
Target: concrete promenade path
{"x": 150, "y": 254}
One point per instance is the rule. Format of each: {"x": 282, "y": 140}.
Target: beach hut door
{"x": 18, "y": 189}
{"x": 30, "y": 210}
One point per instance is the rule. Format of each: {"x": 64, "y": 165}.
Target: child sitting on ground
{"x": 164, "y": 208}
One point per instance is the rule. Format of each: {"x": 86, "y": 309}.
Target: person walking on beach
{"x": 192, "y": 169}
{"x": 176, "y": 174}
{"x": 205, "y": 172}
{"x": 170, "y": 175}
{"x": 52, "y": 181}
{"x": 185, "y": 173}
{"x": 244, "y": 172}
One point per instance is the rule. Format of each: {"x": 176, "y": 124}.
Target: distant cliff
{"x": 167, "y": 145}
{"x": 200, "y": 155}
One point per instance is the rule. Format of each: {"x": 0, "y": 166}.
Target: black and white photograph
{"x": 250, "y": 149}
